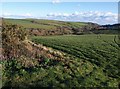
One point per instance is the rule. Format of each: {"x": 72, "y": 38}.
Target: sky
{"x": 97, "y": 12}
{"x": 60, "y": 0}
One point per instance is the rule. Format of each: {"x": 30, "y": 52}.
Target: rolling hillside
{"x": 51, "y": 27}
{"x": 60, "y": 61}
{"x": 41, "y": 23}
{"x": 42, "y": 27}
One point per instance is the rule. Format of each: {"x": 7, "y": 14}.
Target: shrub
{"x": 12, "y": 35}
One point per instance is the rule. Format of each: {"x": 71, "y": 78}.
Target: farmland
{"x": 60, "y": 61}
{"x": 73, "y": 44}
{"x": 100, "y": 51}
{"x": 47, "y": 27}
{"x": 59, "y": 44}
{"x": 42, "y": 23}
{"x": 44, "y": 27}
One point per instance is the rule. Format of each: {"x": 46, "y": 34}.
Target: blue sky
{"x": 63, "y": 10}
{"x": 60, "y": 0}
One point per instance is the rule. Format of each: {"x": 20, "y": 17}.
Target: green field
{"x": 60, "y": 61}
{"x": 89, "y": 61}
{"x": 100, "y": 52}
{"x": 42, "y": 23}
{"x": 81, "y": 46}
{"x": 43, "y": 27}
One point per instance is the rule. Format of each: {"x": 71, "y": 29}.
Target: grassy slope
{"x": 92, "y": 60}
{"x": 49, "y": 26}
{"x": 84, "y": 46}
{"x": 43, "y": 24}
{"x": 77, "y": 40}
{"x": 99, "y": 50}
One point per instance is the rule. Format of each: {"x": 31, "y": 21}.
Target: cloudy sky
{"x": 98, "y": 12}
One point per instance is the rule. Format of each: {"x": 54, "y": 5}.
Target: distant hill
{"x": 110, "y": 27}
{"x": 40, "y": 27}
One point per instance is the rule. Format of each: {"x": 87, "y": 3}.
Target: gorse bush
{"x": 12, "y": 36}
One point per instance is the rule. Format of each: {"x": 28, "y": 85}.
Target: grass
{"x": 91, "y": 61}
{"x": 99, "y": 50}
{"x": 43, "y": 24}
{"x": 0, "y": 76}
{"x": 28, "y": 24}
{"x": 78, "y": 41}
{"x": 89, "y": 47}
{"x": 86, "y": 61}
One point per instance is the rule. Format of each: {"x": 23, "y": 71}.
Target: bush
{"x": 12, "y": 36}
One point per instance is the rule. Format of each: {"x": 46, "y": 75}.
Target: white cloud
{"x": 55, "y": 1}
{"x": 9, "y": 15}
{"x": 76, "y": 13}
{"x": 58, "y": 14}
{"x": 89, "y": 16}
{"x": 66, "y": 14}
{"x": 6, "y": 14}
{"x": 28, "y": 14}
